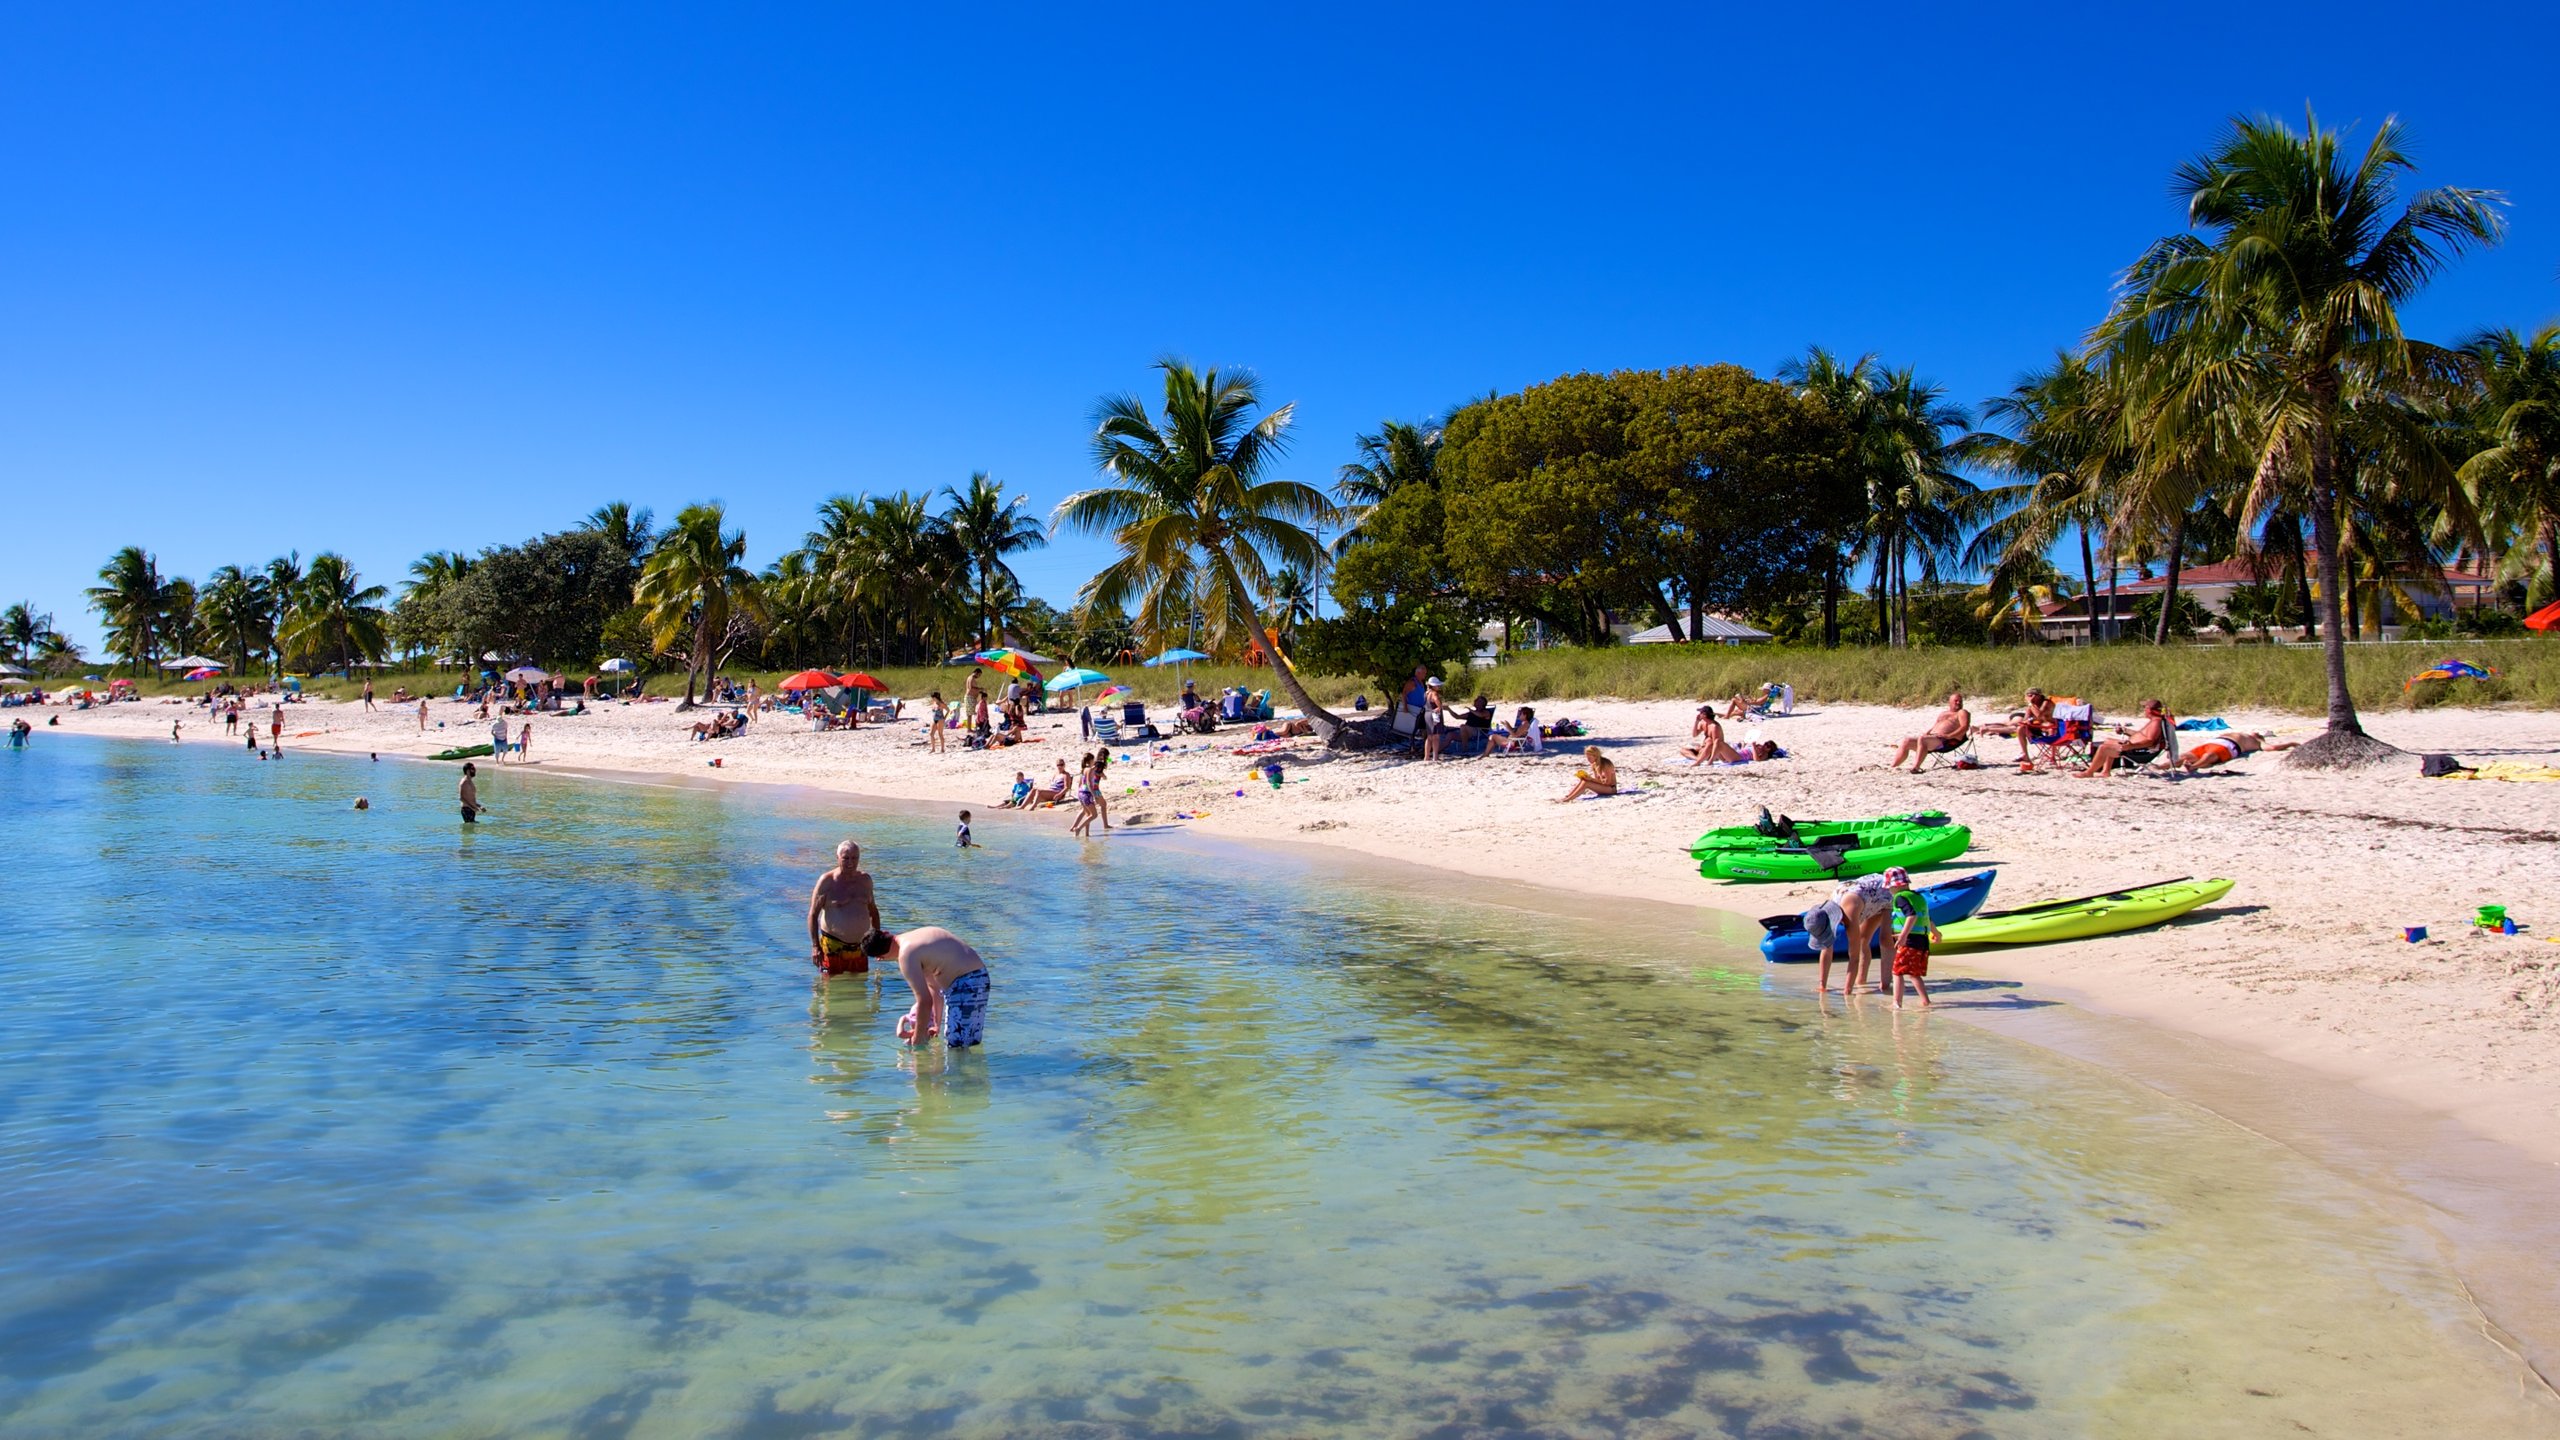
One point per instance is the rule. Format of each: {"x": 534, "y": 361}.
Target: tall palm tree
{"x": 1917, "y": 503}
{"x": 334, "y": 612}
{"x": 2291, "y": 278}
{"x": 284, "y": 578}
{"x": 1194, "y": 518}
{"x": 1293, "y": 601}
{"x": 130, "y": 599}
{"x": 696, "y": 579}
{"x": 430, "y": 573}
{"x": 628, "y": 526}
{"x": 987, "y": 527}
{"x": 234, "y": 607}
{"x": 2517, "y": 474}
{"x": 1398, "y": 455}
{"x": 2061, "y": 444}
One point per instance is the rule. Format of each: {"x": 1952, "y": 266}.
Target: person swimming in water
{"x": 842, "y": 909}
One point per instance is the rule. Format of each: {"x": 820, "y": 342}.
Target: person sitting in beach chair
{"x": 2074, "y": 735}
{"x": 1520, "y": 735}
{"x": 2228, "y": 746}
{"x": 1952, "y": 727}
{"x": 2031, "y": 725}
{"x": 1103, "y": 728}
{"x": 2145, "y": 743}
{"x": 1598, "y": 777}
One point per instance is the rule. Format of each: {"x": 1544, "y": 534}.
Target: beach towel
{"x": 2210, "y": 722}
{"x": 2507, "y": 770}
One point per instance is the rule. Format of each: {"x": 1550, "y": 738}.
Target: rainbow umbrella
{"x": 1110, "y": 690}
{"x": 1008, "y": 662}
{"x": 200, "y": 673}
{"x": 811, "y": 680}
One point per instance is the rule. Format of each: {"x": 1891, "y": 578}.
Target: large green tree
{"x": 1196, "y": 517}
{"x": 1668, "y": 492}
{"x": 2285, "y": 295}
{"x": 237, "y": 614}
{"x": 546, "y": 600}
{"x": 694, "y": 584}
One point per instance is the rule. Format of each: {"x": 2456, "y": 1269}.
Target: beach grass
{"x": 2192, "y": 679}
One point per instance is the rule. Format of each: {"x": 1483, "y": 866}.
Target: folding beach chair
{"x": 1961, "y": 757}
{"x": 1106, "y": 729}
{"x": 2075, "y": 735}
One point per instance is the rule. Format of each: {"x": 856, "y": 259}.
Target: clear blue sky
{"x": 385, "y": 279}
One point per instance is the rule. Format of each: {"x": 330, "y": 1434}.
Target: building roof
{"x": 2257, "y": 569}
{"x": 1710, "y": 627}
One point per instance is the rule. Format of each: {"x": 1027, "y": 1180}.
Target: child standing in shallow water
{"x": 965, "y": 841}
{"x": 1911, "y": 947}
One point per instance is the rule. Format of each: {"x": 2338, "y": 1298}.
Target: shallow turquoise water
{"x": 322, "y": 1122}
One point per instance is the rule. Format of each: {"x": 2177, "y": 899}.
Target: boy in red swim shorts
{"x": 1911, "y": 946}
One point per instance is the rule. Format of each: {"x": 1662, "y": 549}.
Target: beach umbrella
{"x": 527, "y": 674}
{"x": 811, "y": 680}
{"x": 14, "y": 680}
{"x": 201, "y": 673}
{"x": 1176, "y": 657}
{"x": 2546, "y": 618}
{"x": 15, "y": 670}
{"x": 617, "y": 667}
{"x": 1109, "y": 691}
{"x": 861, "y": 680}
{"x": 1009, "y": 662}
{"x": 1077, "y": 680}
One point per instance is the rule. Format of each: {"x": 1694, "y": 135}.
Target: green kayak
{"x": 2108, "y": 914}
{"x": 467, "y": 752}
{"x": 1782, "y": 829}
{"x": 1839, "y": 852}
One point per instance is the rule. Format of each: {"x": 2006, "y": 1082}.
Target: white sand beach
{"x": 2304, "y": 961}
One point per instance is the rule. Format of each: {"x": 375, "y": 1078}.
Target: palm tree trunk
{"x": 2302, "y": 581}
{"x": 2344, "y": 743}
{"x": 2169, "y": 595}
{"x": 693, "y": 663}
{"x": 2113, "y": 592}
{"x": 1327, "y": 724}
{"x": 1831, "y": 599}
{"x": 2088, "y": 585}
{"x": 2551, "y": 549}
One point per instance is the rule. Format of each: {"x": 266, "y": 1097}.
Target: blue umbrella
{"x": 1077, "y": 680}
{"x": 1176, "y": 657}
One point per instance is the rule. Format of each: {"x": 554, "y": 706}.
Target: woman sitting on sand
{"x": 1055, "y": 792}
{"x": 1597, "y": 778}
{"x": 1706, "y": 740}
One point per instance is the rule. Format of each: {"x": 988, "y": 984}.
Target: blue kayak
{"x": 1949, "y": 901}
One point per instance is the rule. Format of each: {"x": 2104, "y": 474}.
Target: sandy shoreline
{"x": 2304, "y": 961}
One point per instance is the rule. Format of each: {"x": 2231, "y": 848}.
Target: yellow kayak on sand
{"x": 2107, "y": 914}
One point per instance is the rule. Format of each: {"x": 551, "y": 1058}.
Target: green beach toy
{"x": 2491, "y": 917}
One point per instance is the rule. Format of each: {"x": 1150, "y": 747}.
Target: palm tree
{"x": 1293, "y": 601}
{"x": 1399, "y": 455}
{"x": 987, "y": 527}
{"x": 334, "y": 610}
{"x": 1916, "y": 501}
{"x": 430, "y": 573}
{"x": 2062, "y": 445}
{"x": 284, "y": 577}
{"x": 1193, "y": 517}
{"x": 631, "y": 527}
{"x": 130, "y": 599}
{"x": 696, "y": 579}
{"x": 2517, "y": 473}
{"x": 234, "y": 606}
{"x": 2290, "y": 282}
{"x": 21, "y": 626}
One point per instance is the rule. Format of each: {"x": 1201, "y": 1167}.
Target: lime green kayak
{"x": 1861, "y": 847}
{"x": 1769, "y": 833}
{"x": 2090, "y": 915}
{"x": 466, "y": 752}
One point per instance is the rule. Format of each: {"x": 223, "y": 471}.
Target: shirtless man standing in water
{"x": 842, "y": 910}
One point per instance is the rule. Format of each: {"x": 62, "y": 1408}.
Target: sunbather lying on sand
{"x": 2224, "y": 748}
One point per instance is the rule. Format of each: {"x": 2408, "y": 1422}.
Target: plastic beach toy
{"x": 2490, "y": 917}
{"x": 2415, "y": 933}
